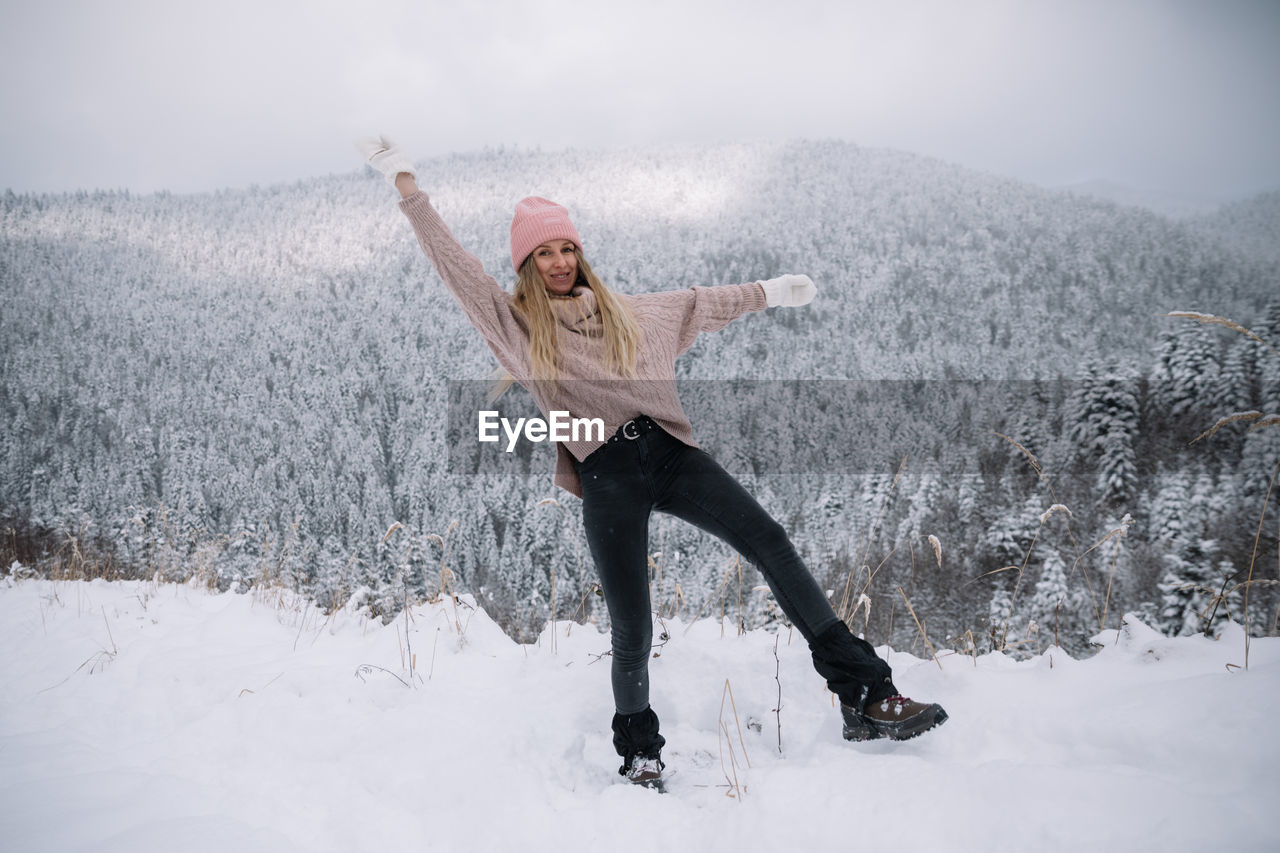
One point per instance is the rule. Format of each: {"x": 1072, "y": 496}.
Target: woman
{"x": 579, "y": 347}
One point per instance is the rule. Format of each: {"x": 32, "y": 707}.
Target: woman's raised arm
{"x": 482, "y": 299}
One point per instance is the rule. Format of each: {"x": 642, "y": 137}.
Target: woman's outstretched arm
{"x": 708, "y": 309}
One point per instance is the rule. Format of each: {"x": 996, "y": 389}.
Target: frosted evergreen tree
{"x": 1011, "y": 533}
{"x": 1171, "y": 509}
{"x": 1258, "y": 460}
{"x": 1184, "y": 381}
{"x": 1208, "y": 502}
{"x": 928, "y": 488}
{"x": 1057, "y": 607}
{"x": 969, "y": 492}
{"x": 1192, "y": 590}
{"x": 1031, "y": 429}
{"x": 1269, "y": 381}
{"x": 516, "y": 574}
{"x": 1117, "y": 473}
{"x": 1269, "y": 329}
{"x": 1103, "y": 419}
{"x": 1232, "y": 392}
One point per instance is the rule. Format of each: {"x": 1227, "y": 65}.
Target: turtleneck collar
{"x": 577, "y": 311}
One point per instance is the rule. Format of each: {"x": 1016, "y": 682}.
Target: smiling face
{"x": 557, "y": 266}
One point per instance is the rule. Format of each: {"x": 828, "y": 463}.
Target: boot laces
{"x": 896, "y": 699}
{"x": 644, "y": 768}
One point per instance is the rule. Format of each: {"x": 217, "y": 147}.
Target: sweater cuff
{"x": 417, "y": 199}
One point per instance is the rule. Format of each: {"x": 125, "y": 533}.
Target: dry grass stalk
{"x": 656, "y": 566}
{"x": 1118, "y": 533}
{"x": 1048, "y": 513}
{"x": 366, "y": 669}
{"x": 594, "y": 589}
{"x": 577, "y": 548}
{"x": 408, "y": 660}
{"x": 114, "y": 651}
{"x": 678, "y": 595}
{"x": 736, "y": 566}
{"x": 1211, "y": 320}
{"x": 973, "y": 647}
{"x": 343, "y": 589}
{"x": 1031, "y": 457}
{"x": 445, "y": 575}
{"x": 395, "y": 525}
{"x": 864, "y": 547}
{"x": 863, "y": 604}
{"x": 937, "y": 548}
{"x": 655, "y": 575}
{"x": 724, "y": 581}
{"x": 994, "y": 572}
{"x": 1017, "y": 586}
{"x": 1253, "y": 559}
{"x": 920, "y": 627}
{"x": 863, "y": 594}
{"x": 99, "y": 660}
{"x": 1269, "y": 420}
{"x": 777, "y": 676}
{"x": 1229, "y": 419}
{"x": 735, "y": 789}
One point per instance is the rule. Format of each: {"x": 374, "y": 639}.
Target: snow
{"x": 140, "y": 717}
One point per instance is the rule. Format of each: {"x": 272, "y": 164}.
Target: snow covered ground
{"x": 137, "y": 717}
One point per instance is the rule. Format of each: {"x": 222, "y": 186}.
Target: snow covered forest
{"x": 254, "y": 387}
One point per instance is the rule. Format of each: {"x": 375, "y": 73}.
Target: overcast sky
{"x": 1171, "y": 95}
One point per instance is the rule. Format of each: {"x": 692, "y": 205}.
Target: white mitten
{"x": 789, "y": 291}
{"x": 385, "y": 156}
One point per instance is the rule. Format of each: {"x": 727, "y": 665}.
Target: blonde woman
{"x": 579, "y": 347}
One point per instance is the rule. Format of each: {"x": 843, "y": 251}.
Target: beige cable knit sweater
{"x": 669, "y": 322}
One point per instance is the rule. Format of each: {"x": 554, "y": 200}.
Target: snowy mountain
{"x": 1170, "y": 204}
{"x": 253, "y": 386}
{"x": 1252, "y": 226}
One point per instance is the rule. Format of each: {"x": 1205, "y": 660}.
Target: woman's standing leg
{"x": 616, "y": 505}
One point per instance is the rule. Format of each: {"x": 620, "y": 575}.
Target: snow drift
{"x": 159, "y": 717}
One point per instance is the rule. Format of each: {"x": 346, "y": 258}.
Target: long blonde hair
{"x": 618, "y": 324}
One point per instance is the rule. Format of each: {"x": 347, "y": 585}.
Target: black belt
{"x": 633, "y": 429}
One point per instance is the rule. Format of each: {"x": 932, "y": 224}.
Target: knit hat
{"x": 537, "y": 221}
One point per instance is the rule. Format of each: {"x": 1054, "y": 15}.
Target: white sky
{"x": 1180, "y": 95}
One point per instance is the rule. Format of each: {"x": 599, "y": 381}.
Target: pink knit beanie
{"x": 537, "y": 221}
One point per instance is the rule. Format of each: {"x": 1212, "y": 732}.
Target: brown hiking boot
{"x": 646, "y": 772}
{"x": 894, "y": 717}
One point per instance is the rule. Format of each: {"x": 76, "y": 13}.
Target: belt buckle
{"x": 631, "y": 430}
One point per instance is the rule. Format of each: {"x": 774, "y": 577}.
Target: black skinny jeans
{"x": 623, "y": 482}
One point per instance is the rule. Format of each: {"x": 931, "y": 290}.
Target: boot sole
{"x": 860, "y": 733}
